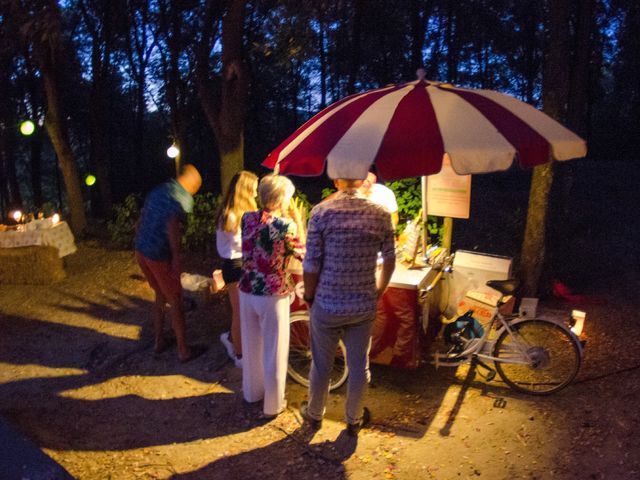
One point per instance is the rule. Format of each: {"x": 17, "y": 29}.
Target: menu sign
{"x": 449, "y": 194}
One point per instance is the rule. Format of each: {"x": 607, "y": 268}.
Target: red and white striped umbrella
{"x": 405, "y": 130}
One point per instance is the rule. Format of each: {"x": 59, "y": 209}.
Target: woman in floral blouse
{"x": 269, "y": 240}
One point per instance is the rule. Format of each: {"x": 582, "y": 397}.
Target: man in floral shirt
{"x": 344, "y": 237}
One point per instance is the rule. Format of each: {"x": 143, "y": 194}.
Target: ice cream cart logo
{"x": 482, "y": 302}
{"x": 481, "y": 311}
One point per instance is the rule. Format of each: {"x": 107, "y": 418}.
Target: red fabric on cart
{"x": 395, "y": 330}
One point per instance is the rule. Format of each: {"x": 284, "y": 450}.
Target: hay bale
{"x": 30, "y": 265}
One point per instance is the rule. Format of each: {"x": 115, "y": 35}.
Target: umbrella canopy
{"x": 406, "y": 129}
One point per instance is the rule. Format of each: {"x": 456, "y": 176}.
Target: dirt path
{"x": 78, "y": 376}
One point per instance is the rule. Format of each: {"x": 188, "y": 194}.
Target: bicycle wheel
{"x": 550, "y": 353}
{"x": 299, "y": 366}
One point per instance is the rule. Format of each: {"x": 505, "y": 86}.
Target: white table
{"x": 58, "y": 236}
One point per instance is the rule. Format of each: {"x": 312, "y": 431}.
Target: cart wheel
{"x": 299, "y": 366}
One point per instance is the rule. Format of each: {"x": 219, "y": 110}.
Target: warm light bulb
{"x": 55, "y": 218}
{"x": 17, "y": 215}
{"x": 173, "y": 151}
{"x": 27, "y": 128}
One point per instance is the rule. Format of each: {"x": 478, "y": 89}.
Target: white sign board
{"x": 449, "y": 194}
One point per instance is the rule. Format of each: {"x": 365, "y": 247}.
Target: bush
{"x": 122, "y": 227}
{"x": 408, "y": 192}
{"x": 304, "y": 201}
{"x": 200, "y": 230}
{"x": 327, "y": 191}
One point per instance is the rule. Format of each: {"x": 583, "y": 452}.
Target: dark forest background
{"x": 111, "y": 84}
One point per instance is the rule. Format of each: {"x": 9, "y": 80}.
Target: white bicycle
{"x": 532, "y": 355}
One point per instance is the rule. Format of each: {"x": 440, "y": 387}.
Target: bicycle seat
{"x": 505, "y": 287}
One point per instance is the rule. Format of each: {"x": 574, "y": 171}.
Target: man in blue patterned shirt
{"x": 157, "y": 245}
{"x": 344, "y": 237}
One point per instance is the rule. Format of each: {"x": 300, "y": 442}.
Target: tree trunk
{"x": 531, "y": 50}
{"x": 451, "y": 41}
{"x": 34, "y": 87}
{"x": 36, "y": 167}
{"x": 46, "y": 37}
{"x": 138, "y": 141}
{"x": 577, "y": 106}
{"x": 99, "y": 152}
{"x": 57, "y": 130}
{"x": 8, "y": 124}
{"x": 436, "y": 54}
{"x": 418, "y": 30}
{"x": 226, "y": 116}
{"x": 7, "y": 152}
{"x": 138, "y": 53}
{"x": 235, "y": 90}
{"x": 322, "y": 54}
{"x": 533, "y": 245}
{"x": 354, "y": 58}
{"x": 171, "y": 24}
{"x": 554, "y": 89}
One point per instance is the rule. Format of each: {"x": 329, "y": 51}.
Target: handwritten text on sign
{"x": 449, "y": 194}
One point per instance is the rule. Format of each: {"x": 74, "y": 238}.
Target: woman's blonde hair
{"x": 275, "y": 190}
{"x": 238, "y": 200}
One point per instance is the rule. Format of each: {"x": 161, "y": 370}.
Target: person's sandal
{"x": 225, "y": 339}
{"x": 196, "y": 351}
{"x": 354, "y": 428}
{"x": 312, "y": 422}
{"x": 165, "y": 344}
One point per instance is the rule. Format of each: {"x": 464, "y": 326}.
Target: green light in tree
{"x": 27, "y": 128}
{"x": 90, "y": 180}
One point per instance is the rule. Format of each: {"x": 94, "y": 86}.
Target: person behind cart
{"x": 380, "y": 195}
{"x": 269, "y": 240}
{"x": 344, "y": 237}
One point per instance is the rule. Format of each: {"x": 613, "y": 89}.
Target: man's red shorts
{"x": 160, "y": 276}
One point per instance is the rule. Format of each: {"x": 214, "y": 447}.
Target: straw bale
{"x": 36, "y": 265}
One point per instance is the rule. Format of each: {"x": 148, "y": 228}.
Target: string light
{"x": 27, "y": 128}
{"x": 173, "y": 151}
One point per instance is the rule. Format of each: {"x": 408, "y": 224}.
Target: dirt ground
{"x": 79, "y": 377}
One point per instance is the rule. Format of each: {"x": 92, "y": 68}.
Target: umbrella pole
{"x": 447, "y": 233}
{"x": 425, "y": 215}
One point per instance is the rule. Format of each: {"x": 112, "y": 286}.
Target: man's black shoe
{"x": 354, "y": 428}
{"x": 313, "y": 423}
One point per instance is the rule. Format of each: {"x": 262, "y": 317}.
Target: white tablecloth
{"x": 58, "y": 236}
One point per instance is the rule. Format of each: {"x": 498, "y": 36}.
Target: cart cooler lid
{"x": 408, "y": 278}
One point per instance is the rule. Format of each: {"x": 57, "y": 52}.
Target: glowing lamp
{"x": 55, "y": 218}
{"x": 577, "y": 321}
{"x": 173, "y": 151}
{"x": 16, "y": 215}
{"x": 27, "y": 128}
{"x": 90, "y": 180}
